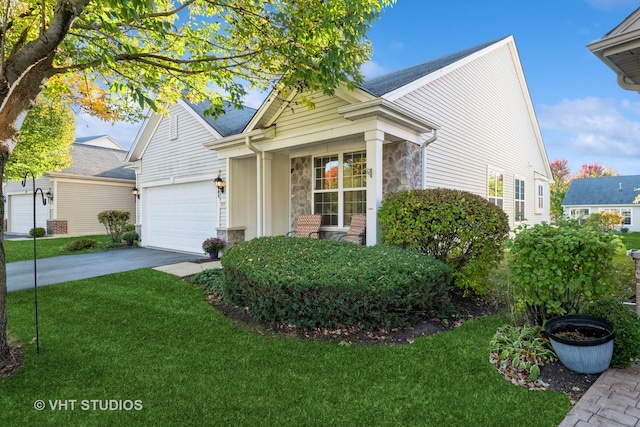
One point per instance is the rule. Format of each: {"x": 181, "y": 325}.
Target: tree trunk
{"x": 5, "y": 351}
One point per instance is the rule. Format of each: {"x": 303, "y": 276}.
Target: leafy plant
{"x": 519, "y": 351}
{"x": 129, "y": 227}
{"x": 627, "y": 325}
{"x": 38, "y": 232}
{"x": 211, "y": 279}
{"x": 461, "y": 229}
{"x": 79, "y": 245}
{"x": 325, "y": 283}
{"x": 114, "y": 221}
{"x": 556, "y": 270}
{"x": 130, "y": 236}
{"x": 212, "y": 245}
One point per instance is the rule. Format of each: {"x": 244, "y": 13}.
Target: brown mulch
{"x": 553, "y": 376}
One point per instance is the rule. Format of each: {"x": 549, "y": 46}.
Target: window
{"x": 339, "y": 189}
{"x": 519, "y": 200}
{"x": 625, "y": 212}
{"x": 540, "y": 198}
{"x": 496, "y": 188}
{"x": 579, "y": 213}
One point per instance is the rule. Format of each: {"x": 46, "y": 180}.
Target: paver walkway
{"x": 612, "y": 401}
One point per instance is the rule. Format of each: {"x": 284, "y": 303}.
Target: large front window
{"x": 339, "y": 189}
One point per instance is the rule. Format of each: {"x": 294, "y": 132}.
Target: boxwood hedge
{"x": 325, "y": 283}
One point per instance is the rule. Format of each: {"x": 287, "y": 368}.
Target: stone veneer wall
{"x": 301, "y": 187}
{"x": 401, "y": 164}
{"x": 231, "y": 235}
{"x": 56, "y": 226}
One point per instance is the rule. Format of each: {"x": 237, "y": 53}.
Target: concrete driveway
{"x": 83, "y": 266}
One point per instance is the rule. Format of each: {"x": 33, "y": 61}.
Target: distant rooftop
{"x": 93, "y": 161}
{"x": 604, "y": 190}
{"x": 231, "y": 122}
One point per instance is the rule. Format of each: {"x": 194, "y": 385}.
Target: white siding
{"x": 485, "y": 122}
{"x": 297, "y": 118}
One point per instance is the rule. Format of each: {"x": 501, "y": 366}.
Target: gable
{"x": 605, "y": 190}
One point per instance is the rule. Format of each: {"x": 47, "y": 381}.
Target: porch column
{"x": 374, "y": 140}
{"x": 267, "y": 197}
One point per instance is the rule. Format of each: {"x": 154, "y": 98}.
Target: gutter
{"x": 259, "y": 183}
{"x": 423, "y": 156}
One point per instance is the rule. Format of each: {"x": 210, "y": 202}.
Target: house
{"x": 619, "y": 50}
{"x": 95, "y": 181}
{"x": 586, "y": 196}
{"x": 463, "y": 121}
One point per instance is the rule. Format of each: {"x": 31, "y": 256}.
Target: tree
{"x": 594, "y": 170}
{"x": 45, "y": 141}
{"x": 150, "y": 53}
{"x": 558, "y": 189}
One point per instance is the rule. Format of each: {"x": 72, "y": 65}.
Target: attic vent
{"x": 173, "y": 127}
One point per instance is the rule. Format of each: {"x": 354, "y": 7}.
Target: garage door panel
{"x": 21, "y": 213}
{"x": 180, "y": 216}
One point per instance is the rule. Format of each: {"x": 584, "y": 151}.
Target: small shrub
{"x": 557, "y": 270}
{"x": 129, "y": 227}
{"x": 38, "y": 231}
{"x": 79, "y": 245}
{"x": 130, "y": 236}
{"x": 325, "y": 283}
{"x": 211, "y": 279}
{"x": 114, "y": 221}
{"x": 461, "y": 229}
{"x": 626, "y": 322}
{"x": 624, "y": 230}
{"x": 519, "y": 351}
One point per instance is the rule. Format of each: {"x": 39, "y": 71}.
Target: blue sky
{"x": 583, "y": 115}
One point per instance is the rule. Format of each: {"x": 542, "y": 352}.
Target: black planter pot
{"x": 590, "y": 354}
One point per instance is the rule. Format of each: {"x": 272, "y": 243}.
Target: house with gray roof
{"x": 463, "y": 121}
{"x": 587, "y": 196}
{"x": 95, "y": 181}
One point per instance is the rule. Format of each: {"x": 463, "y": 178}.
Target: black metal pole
{"x": 35, "y": 253}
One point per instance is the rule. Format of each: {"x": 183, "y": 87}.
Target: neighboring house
{"x": 619, "y": 49}
{"x": 587, "y": 196}
{"x": 463, "y": 121}
{"x": 95, "y": 181}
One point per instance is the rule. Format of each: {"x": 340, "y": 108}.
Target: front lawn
{"x": 20, "y": 250}
{"x": 150, "y": 337}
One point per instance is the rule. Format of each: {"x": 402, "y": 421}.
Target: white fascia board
{"x": 144, "y": 135}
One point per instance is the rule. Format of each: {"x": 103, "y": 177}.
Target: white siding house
{"x": 463, "y": 121}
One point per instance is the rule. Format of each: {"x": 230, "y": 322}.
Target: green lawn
{"x": 148, "y": 336}
{"x": 20, "y": 250}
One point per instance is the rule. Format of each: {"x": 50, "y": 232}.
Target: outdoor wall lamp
{"x": 49, "y": 195}
{"x": 220, "y": 184}
{"x": 136, "y": 192}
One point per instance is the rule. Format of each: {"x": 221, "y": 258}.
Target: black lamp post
{"x": 35, "y": 257}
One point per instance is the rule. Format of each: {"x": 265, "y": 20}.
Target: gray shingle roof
{"x": 378, "y": 86}
{"x": 231, "y": 122}
{"x": 605, "y": 190}
{"x": 89, "y": 160}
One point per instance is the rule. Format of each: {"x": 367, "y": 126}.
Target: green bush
{"x": 325, "y": 283}
{"x": 38, "y": 231}
{"x": 79, "y": 245}
{"x": 626, "y": 322}
{"x": 129, "y": 227}
{"x": 114, "y": 221}
{"x": 461, "y": 229}
{"x": 557, "y": 270}
{"x": 211, "y": 279}
{"x": 130, "y": 236}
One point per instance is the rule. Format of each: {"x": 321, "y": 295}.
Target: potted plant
{"x": 583, "y": 343}
{"x": 212, "y": 246}
{"x": 129, "y": 237}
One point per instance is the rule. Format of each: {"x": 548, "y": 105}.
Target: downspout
{"x": 423, "y": 156}
{"x": 250, "y": 146}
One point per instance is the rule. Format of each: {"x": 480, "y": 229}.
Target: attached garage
{"x": 21, "y": 213}
{"x": 179, "y": 216}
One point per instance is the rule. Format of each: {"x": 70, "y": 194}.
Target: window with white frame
{"x": 519, "y": 199}
{"x": 625, "y": 212}
{"x": 579, "y": 213}
{"x": 339, "y": 188}
{"x": 496, "y": 188}
{"x": 539, "y": 198}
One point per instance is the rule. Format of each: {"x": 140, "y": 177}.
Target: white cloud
{"x": 592, "y": 129}
{"x": 372, "y": 69}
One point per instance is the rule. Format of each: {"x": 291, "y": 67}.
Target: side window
{"x": 539, "y": 198}
{"x": 496, "y": 188}
{"x": 519, "y": 200}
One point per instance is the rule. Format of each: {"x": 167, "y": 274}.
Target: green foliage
{"x": 130, "y": 236}
{"x": 38, "y": 232}
{"x": 325, "y": 283}
{"x": 556, "y": 270}
{"x": 79, "y": 245}
{"x": 461, "y": 229}
{"x": 519, "y": 351}
{"x": 627, "y": 325}
{"x": 211, "y": 279}
{"x": 45, "y": 141}
{"x": 129, "y": 227}
{"x": 606, "y": 221}
{"x": 114, "y": 221}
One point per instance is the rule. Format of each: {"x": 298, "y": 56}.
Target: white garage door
{"x": 180, "y": 216}
{"x": 21, "y": 213}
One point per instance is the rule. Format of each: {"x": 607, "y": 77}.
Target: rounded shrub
{"x": 459, "y": 228}
{"x": 79, "y": 245}
{"x": 557, "y": 270}
{"x": 38, "y": 232}
{"x": 314, "y": 283}
{"x": 626, "y": 322}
